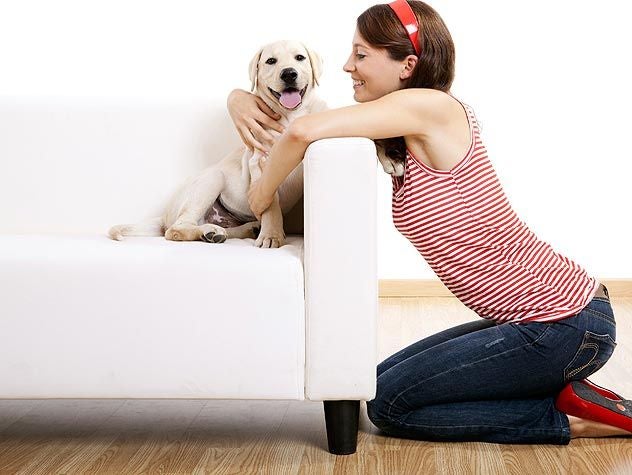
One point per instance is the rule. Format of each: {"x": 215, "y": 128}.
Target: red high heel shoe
{"x": 603, "y": 391}
{"x": 586, "y": 400}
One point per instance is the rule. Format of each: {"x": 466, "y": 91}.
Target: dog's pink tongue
{"x": 290, "y": 99}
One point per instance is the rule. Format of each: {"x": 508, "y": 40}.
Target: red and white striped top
{"x": 463, "y": 225}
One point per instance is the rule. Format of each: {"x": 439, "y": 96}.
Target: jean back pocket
{"x": 592, "y": 354}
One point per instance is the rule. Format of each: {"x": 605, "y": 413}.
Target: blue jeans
{"x": 492, "y": 383}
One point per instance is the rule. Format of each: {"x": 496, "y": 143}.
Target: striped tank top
{"x": 461, "y": 222}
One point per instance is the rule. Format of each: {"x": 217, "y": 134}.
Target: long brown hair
{"x": 381, "y": 28}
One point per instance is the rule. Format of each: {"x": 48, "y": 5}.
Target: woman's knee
{"x": 384, "y": 407}
{"x": 378, "y": 409}
{"x": 377, "y": 414}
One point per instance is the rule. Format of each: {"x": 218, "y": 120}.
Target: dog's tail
{"x": 150, "y": 227}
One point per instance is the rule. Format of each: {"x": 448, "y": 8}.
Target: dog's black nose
{"x": 289, "y": 75}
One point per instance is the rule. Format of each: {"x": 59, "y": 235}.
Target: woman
{"x": 517, "y": 375}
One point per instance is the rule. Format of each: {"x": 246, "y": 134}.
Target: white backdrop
{"x": 548, "y": 80}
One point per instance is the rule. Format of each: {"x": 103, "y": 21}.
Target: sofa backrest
{"x": 80, "y": 165}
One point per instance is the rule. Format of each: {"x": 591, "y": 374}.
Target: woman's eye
{"x": 271, "y": 61}
{"x": 360, "y": 56}
{"x": 299, "y": 57}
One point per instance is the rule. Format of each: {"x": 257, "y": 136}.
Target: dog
{"x": 212, "y": 206}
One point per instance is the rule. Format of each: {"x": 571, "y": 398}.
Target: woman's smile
{"x": 357, "y": 83}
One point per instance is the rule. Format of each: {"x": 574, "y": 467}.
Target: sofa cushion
{"x": 150, "y": 318}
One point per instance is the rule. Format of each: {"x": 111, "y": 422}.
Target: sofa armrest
{"x": 340, "y": 269}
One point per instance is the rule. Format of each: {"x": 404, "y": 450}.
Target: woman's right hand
{"x": 249, "y": 112}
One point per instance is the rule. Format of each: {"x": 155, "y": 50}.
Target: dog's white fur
{"x": 183, "y": 218}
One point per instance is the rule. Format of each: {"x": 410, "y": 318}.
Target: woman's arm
{"x": 403, "y": 112}
{"x": 249, "y": 112}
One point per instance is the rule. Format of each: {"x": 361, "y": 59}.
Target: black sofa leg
{"x": 341, "y": 419}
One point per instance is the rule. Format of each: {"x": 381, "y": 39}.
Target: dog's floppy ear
{"x": 316, "y": 62}
{"x": 254, "y": 69}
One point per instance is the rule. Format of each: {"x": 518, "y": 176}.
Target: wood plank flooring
{"x": 87, "y": 436}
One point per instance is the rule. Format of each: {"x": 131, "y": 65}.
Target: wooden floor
{"x": 227, "y": 436}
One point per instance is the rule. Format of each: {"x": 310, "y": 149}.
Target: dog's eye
{"x": 299, "y": 57}
{"x": 271, "y": 61}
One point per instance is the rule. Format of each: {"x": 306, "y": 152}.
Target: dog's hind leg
{"x": 247, "y": 230}
{"x": 197, "y": 197}
{"x": 150, "y": 227}
{"x": 215, "y": 233}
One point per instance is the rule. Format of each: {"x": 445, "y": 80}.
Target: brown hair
{"x": 381, "y": 28}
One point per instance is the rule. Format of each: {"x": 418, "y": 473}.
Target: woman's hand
{"x": 259, "y": 200}
{"x": 249, "y": 113}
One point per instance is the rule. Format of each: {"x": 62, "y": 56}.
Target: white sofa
{"x": 83, "y": 316}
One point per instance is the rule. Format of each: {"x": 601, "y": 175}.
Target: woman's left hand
{"x": 257, "y": 199}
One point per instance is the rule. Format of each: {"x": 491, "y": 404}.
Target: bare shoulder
{"x": 437, "y": 108}
{"x": 424, "y": 96}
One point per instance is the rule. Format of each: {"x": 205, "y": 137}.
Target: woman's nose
{"x": 348, "y": 66}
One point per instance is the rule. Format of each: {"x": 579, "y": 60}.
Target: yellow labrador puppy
{"x": 213, "y": 205}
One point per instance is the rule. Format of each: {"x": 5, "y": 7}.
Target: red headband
{"x": 409, "y": 20}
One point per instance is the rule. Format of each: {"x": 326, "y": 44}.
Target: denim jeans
{"x": 490, "y": 382}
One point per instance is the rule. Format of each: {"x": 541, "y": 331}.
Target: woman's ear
{"x": 408, "y": 66}
{"x": 254, "y": 69}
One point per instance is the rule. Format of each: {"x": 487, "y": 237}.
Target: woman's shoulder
{"x": 423, "y": 94}
{"x": 438, "y": 107}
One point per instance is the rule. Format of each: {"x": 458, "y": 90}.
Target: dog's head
{"x": 284, "y": 72}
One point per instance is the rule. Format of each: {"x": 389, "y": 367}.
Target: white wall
{"x": 548, "y": 80}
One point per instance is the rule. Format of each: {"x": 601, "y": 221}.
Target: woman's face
{"x": 374, "y": 73}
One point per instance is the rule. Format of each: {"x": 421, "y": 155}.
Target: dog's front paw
{"x": 270, "y": 239}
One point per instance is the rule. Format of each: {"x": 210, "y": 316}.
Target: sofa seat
{"x": 150, "y": 318}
